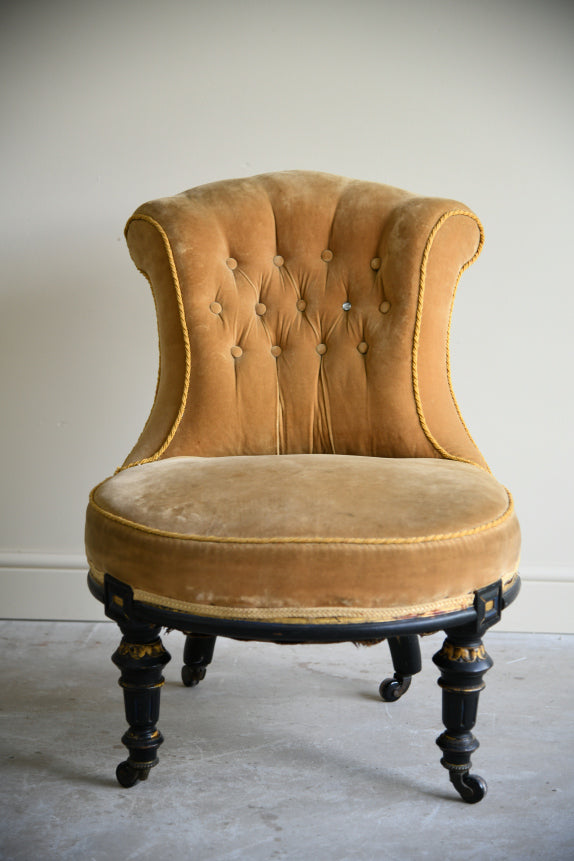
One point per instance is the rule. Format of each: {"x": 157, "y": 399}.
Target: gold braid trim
{"x": 184, "y": 332}
{"x": 418, "y": 321}
{"x": 301, "y": 539}
{"x": 309, "y": 615}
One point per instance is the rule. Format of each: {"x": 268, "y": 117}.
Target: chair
{"x": 305, "y": 474}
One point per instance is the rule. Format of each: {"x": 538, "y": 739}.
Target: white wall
{"x": 107, "y": 104}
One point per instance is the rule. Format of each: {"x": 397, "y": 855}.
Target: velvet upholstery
{"x": 259, "y": 356}
{"x": 305, "y": 457}
{"x": 304, "y": 537}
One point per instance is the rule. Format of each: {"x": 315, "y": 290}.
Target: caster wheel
{"x": 192, "y": 676}
{"x": 126, "y": 775}
{"x": 392, "y": 689}
{"x": 470, "y": 787}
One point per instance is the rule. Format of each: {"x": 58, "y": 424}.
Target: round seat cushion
{"x": 303, "y": 538}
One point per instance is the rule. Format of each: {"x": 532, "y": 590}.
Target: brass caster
{"x": 192, "y": 676}
{"x": 393, "y": 689}
{"x": 470, "y": 787}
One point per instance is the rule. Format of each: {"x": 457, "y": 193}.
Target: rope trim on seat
{"x": 309, "y": 615}
{"x": 299, "y": 539}
{"x": 418, "y": 322}
{"x": 184, "y": 332}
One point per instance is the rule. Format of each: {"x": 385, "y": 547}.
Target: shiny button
{"x": 236, "y": 352}
{"x": 376, "y": 263}
{"x": 231, "y": 262}
{"x": 278, "y": 260}
{"x": 326, "y": 255}
{"x": 384, "y": 307}
{"x": 363, "y": 347}
{"x": 215, "y": 307}
{"x": 346, "y": 306}
{"x": 301, "y": 304}
{"x": 321, "y": 349}
{"x": 260, "y": 309}
{"x": 276, "y": 351}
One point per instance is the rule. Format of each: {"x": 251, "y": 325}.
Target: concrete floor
{"x": 283, "y": 752}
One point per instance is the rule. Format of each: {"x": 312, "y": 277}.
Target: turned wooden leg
{"x": 406, "y": 656}
{"x": 197, "y": 656}
{"x": 141, "y": 658}
{"x": 462, "y": 661}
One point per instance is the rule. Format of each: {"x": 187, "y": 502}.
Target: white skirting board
{"x": 47, "y": 586}
{"x": 53, "y": 586}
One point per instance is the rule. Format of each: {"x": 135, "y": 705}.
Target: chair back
{"x": 300, "y": 312}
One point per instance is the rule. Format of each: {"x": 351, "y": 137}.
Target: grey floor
{"x": 283, "y": 752}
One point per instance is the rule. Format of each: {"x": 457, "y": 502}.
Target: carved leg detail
{"x": 197, "y": 656}
{"x": 406, "y": 655}
{"x": 462, "y": 661}
{"x": 141, "y": 658}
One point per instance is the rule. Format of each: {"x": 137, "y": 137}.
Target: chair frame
{"x": 462, "y": 661}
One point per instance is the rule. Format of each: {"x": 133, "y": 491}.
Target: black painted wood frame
{"x": 462, "y": 661}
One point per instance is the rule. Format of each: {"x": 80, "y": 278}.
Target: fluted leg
{"x": 462, "y": 661}
{"x": 141, "y": 658}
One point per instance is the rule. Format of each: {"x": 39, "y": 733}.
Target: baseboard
{"x": 53, "y": 586}
{"x": 46, "y": 586}
{"x": 545, "y": 602}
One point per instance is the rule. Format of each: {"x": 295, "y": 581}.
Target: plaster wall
{"x": 105, "y": 105}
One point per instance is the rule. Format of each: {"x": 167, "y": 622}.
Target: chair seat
{"x": 303, "y": 538}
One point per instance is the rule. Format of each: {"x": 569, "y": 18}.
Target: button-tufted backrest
{"x": 301, "y": 312}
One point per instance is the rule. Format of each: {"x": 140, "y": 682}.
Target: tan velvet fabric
{"x": 275, "y": 364}
{"x": 305, "y": 456}
{"x": 303, "y": 531}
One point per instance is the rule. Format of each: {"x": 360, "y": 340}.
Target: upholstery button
{"x": 301, "y": 304}
{"x": 321, "y": 349}
{"x": 215, "y": 307}
{"x": 363, "y": 347}
{"x": 326, "y": 255}
{"x": 231, "y": 262}
{"x": 260, "y": 309}
{"x": 276, "y": 351}
{"x": 376, "y": 263}
{"x": 346, "y": 306}
{"x": 384, "y": 307}
{"x": 278, "y": 260}
{"x": 236, "y": 352}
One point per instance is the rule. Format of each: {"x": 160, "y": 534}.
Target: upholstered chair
{"x": 305, "y": 474}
